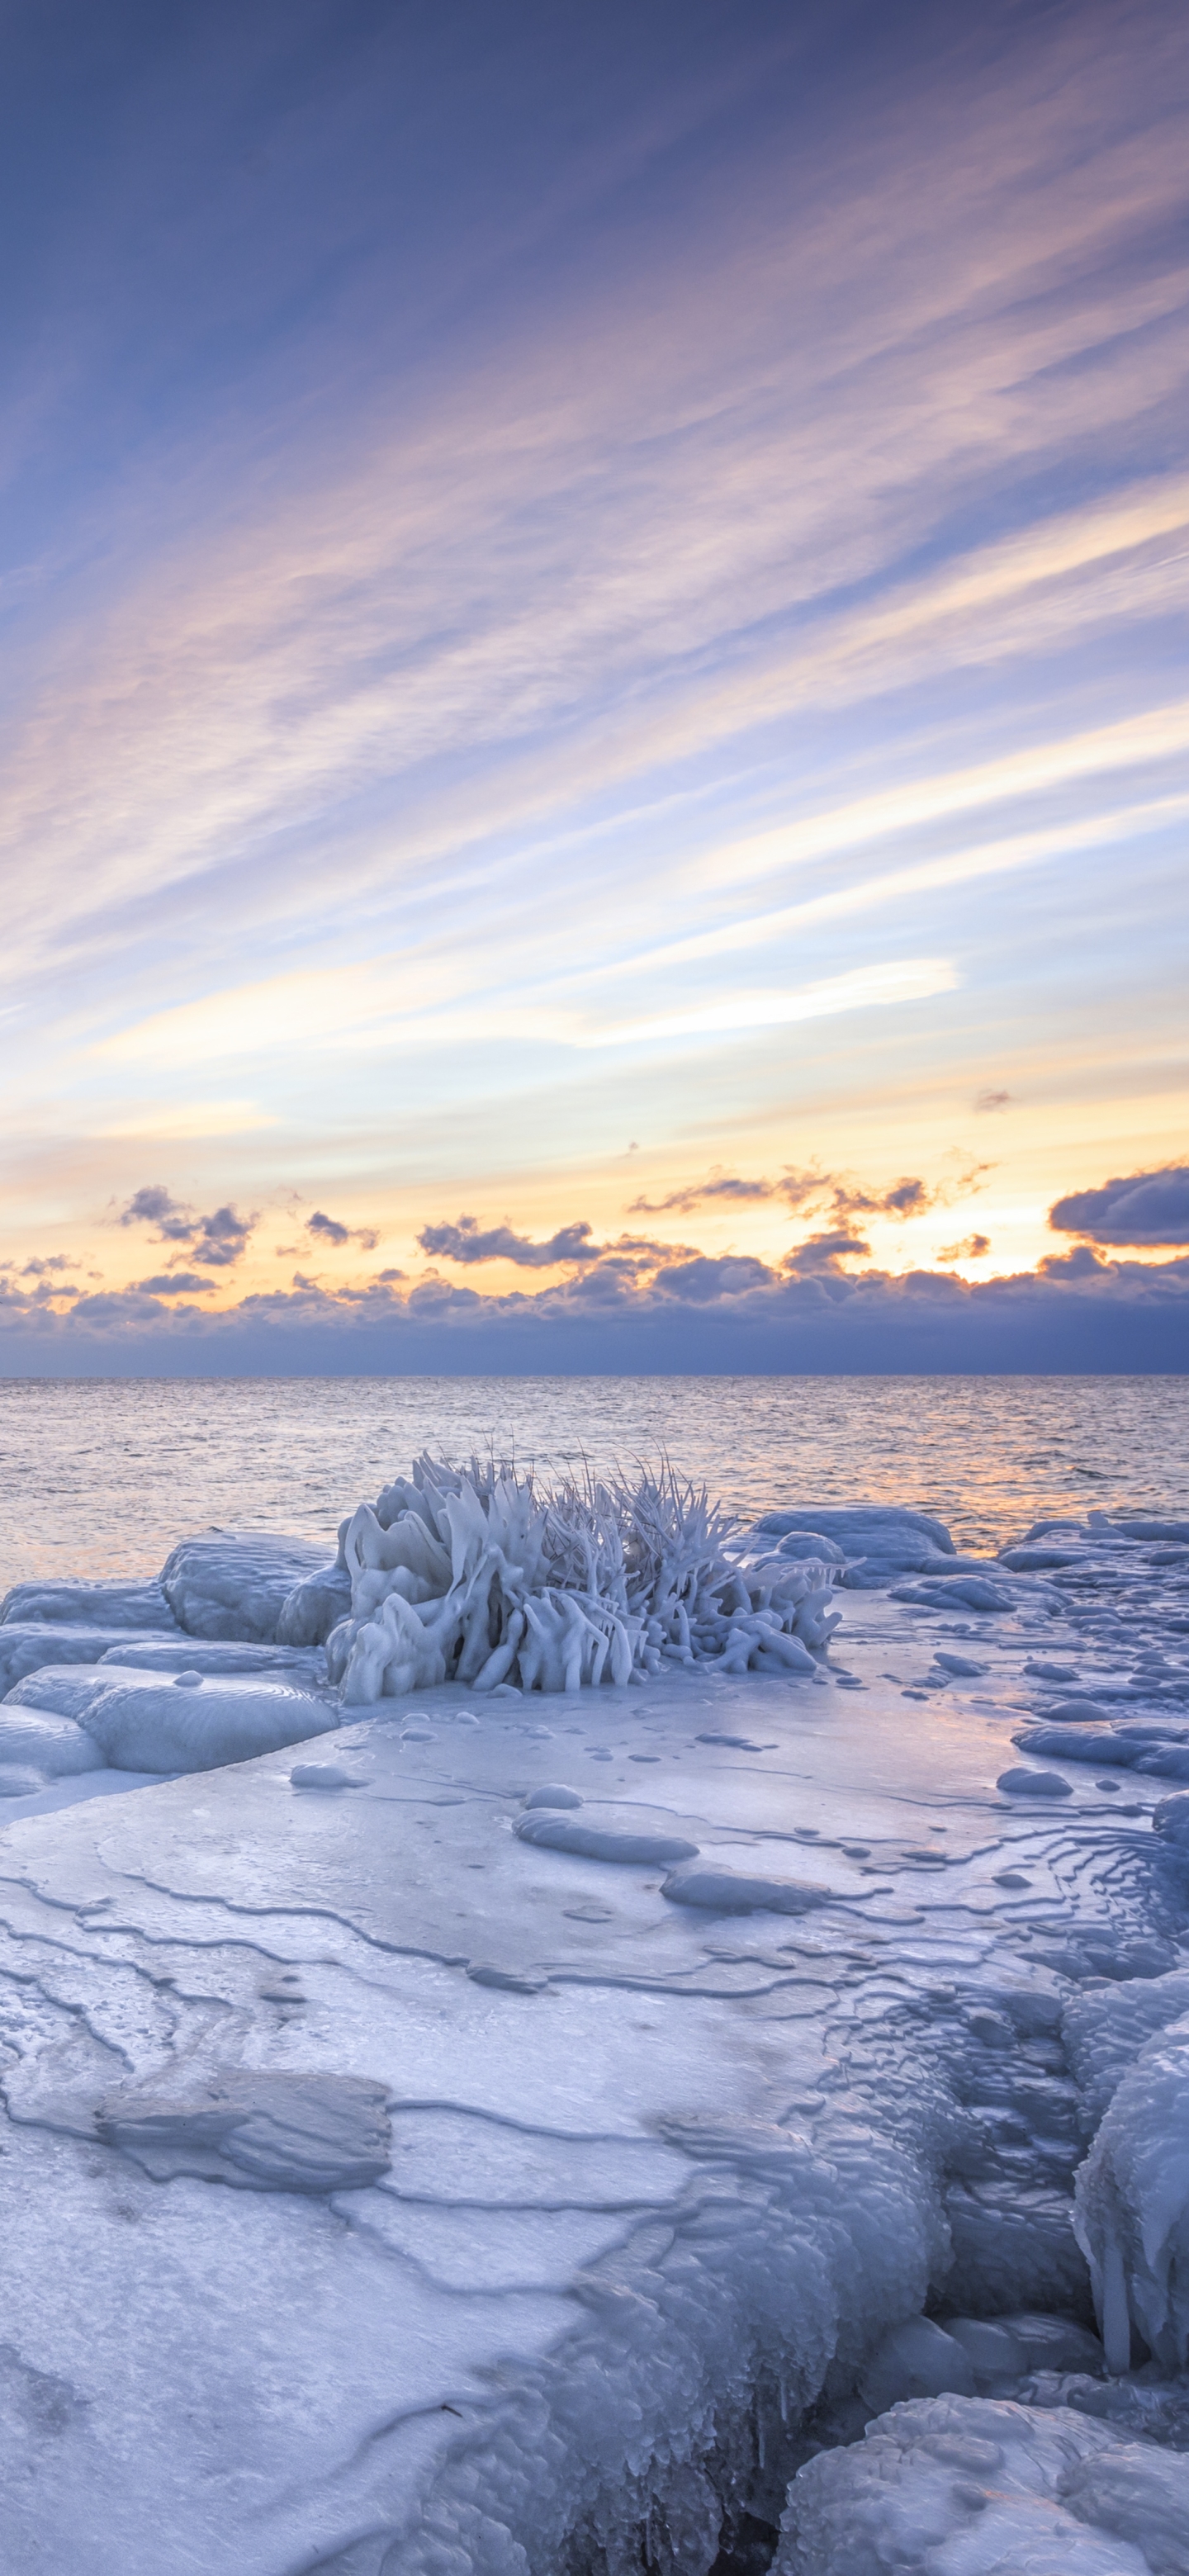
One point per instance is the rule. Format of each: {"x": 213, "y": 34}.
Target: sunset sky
{"x": 595, "y": 707}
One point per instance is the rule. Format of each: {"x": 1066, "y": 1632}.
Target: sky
{"x": 593, "y": 703}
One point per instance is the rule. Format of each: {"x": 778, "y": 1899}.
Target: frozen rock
{"x": 53, "y": 1746}
{"x": 259, "y": 2132}
{"x": 956, "y": 1592}
{"x": 323, "y": 1775}
{"x": 1053, "y": 2343}
{"x": 917, "y": 2359}
{"x": 731, "y": 1891}
{"x": 315, "y": 1606}
{"x": 1171, "y": 1821}
{"x": 976, "y": 2486}
{"x": 553, "y": 1794}
{"x": 1022, "y": 1783}
{"x": 993, "y": 2351}
{"x": 961, "y": 1666}
{"x": 877, "y": 1540}
{"x": 151, "y": 1725}
{"x": 25, "y": 1647}
{"x": 1133, "y": 2206}
{"x": 87, "y": 1605}
{"x": 232, "y": 1583}
{"x": 69, "y": 1690}
{"x": 610, "y": 1840}
{"x": 215, "y": 1655}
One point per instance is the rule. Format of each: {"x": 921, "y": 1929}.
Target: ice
{"x": 25, "y": 1647}
{"x": 215, "y": 1655}
{"x": 237, "y": 1584}
{"x": 255, "y": 2131}
{"x": 917, "y": 2359}
{"x": 143, "y": 1720}
{"x": 87, "y": 1605}
{"x": 192, "y": 1724}
{"x": 480, "y": 1576}
{"x": 732, "y": 1891}
{"x": 969, "y": 2486}
{"x": 410, "y": 2170}
{"x": 1022, "y": 1783}
{"x": 649, "y": 1847}
{"x": 54, "y": 1746}
{"x": 1133, "y": 2205}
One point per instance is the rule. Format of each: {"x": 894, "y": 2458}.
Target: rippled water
{"x": 101, "y": 1476}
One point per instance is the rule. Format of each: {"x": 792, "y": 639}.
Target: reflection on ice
{"x": 437, "y": 2156}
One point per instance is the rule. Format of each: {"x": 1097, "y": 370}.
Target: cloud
{"x": 468, "y": 1242}
{"x": 218, "y": 1240}
{"x": 730, "y": 1316}
{"x": 154, "y": 1206}
{"x": 1145, "y": 1208}
{"x": 701, "y": 1279}
{"x": 722, "y": 1186}
{"x": 329, "y": 1230}
{"x": 177, "y": 1283}
{"x": 988, "y": 1100}
{"x": 911, "y": 979}
{"x": 972, "y": 1248}
{"x": 54, "y": 1261}
{"x": 824, "y": 1252}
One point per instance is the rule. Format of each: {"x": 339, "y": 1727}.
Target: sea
{"x": 99, "y": 1477}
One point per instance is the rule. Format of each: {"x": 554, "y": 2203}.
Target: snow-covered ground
{"x": 516, "y": 2135}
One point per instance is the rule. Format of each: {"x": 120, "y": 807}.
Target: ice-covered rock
{"x": 38, "y": 1739}
{"x": 26, "y": 1645}
{"x": 216, "y": 1656}
{"x": 236, "y": 1583}
{"x": 198, "y": 1725}
{"x": 88, "y": 1605}
{"x": 974, "y": 2486}
{"x": 316, "y": 1604}
{"x": 876, "y": 1540}
{"x": 604, "y": 1835}
{"x": 735, "y": 1891}
{"x": 916, "y": 2359}
{"x": 1133, "y": 2205}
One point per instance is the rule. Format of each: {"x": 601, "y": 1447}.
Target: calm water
{"x": 101, "y": 1476}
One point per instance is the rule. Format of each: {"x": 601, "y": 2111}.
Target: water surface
{"x": 100, "y": 1476}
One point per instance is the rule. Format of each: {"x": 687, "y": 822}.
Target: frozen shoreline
{"x": 655, "y": 2177}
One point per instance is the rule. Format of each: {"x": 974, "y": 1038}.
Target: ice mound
{"x": 87, "y": 1605}
{"x": 876, "y": 1540}
{"x": 146, "y": 1724}
{"x": 1158, "y": 1749}
{"x": 233, "y": 1583}
{"x": 590, "y": 1837}
{"x": 28, "y": 1644}
{"x": 1133, "y": 2206}
{"x": 257, "y": 2131}
{"x": 215, "y": 1655}
{"x": 731, "y": 1891}
{"x": 479, "y": 1578}
{"x": 53, "y": 1746}
{"x": 970, "y": 2486}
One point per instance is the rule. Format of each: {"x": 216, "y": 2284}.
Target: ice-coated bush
{"x": 483, "y": 1576}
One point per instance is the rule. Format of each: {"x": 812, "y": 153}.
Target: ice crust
{"x": 963, "y": 2486}
{"x": 525, "y": 2141}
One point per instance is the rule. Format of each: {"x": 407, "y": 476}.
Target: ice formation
{"x": 613, "y": 2110}
{"x": 475, "y": 1577}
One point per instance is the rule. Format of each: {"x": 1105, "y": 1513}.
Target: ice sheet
{"x": 388, "y": 2188}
